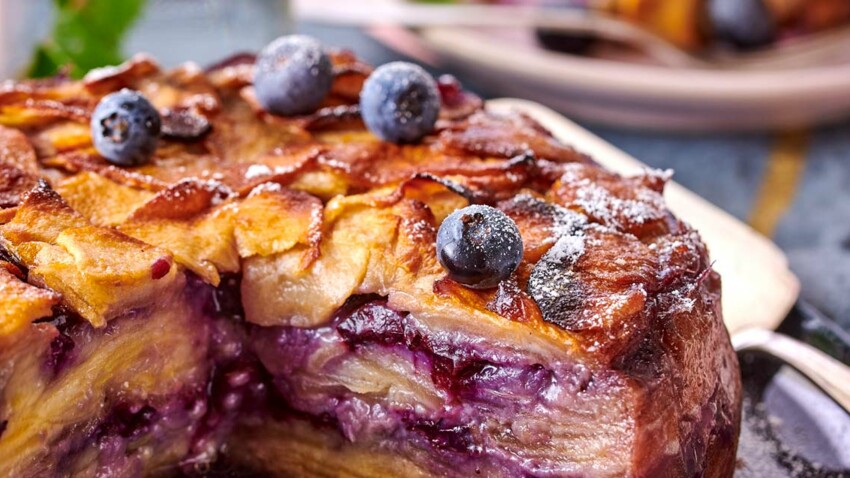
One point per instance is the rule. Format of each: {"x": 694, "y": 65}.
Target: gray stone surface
{"x": 816, "y": 230}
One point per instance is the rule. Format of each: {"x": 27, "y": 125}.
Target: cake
{"x": 257, "y": 293}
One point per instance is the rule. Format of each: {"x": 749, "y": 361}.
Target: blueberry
{"x": 400, "y": 102}
{"x": 292, "y": 75}
{"x": 125, "y": 128}
{"x": 745, "y": 24}
{"x": 479, "y": 246}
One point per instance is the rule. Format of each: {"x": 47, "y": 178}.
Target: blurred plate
{"x": 646, "y": 96}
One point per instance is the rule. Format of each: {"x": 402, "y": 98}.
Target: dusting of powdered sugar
{"x": 564, "y": 222}
{"x": 420, "y": 230}
{"x": 257, "y": 170}
{"x": 680, "y": 300}
{"x": 567, "y": 223}
{"x": 553, "y": 284}
{"x": 647, "y": 205}
{"x": 265, "y": 188}
{"x": 219, "y": 191}
{"x": 568, "y": 249}
{"x": 614, "y": 211}
{"x": 262, "y": 171}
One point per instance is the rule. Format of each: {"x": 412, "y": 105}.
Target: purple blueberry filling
{"x": 117, "y": 436}
{"x": 225, "y": 300}
{"x": 371, "y": 322}
{"x": 456, "y": 438}
{"x": 61, "y": 352}
{"x": 464, "y": 372}
{"x": 477, "y": 385}
{"x": 127, "y": 420}
{"x": 270, "y": 373}
{"x": 61, "y": 349}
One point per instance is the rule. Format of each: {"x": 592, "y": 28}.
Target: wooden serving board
{"x": 758, "y": 288}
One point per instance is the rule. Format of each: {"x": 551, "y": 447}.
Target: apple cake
{"x": 195, "y": 281}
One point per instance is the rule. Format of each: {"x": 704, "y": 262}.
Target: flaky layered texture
{"x": 266, "y": 293}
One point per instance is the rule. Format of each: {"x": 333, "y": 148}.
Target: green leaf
{"x": 44, "y": 62}
{"x": 86, "y": 34}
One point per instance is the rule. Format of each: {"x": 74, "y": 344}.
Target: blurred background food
{"x": 701, "y": 24}
{"x": 698, "y": 65}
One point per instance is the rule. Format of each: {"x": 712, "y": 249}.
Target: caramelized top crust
{"x": 20, "y": 303}
{"x": 313, "y": 209}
